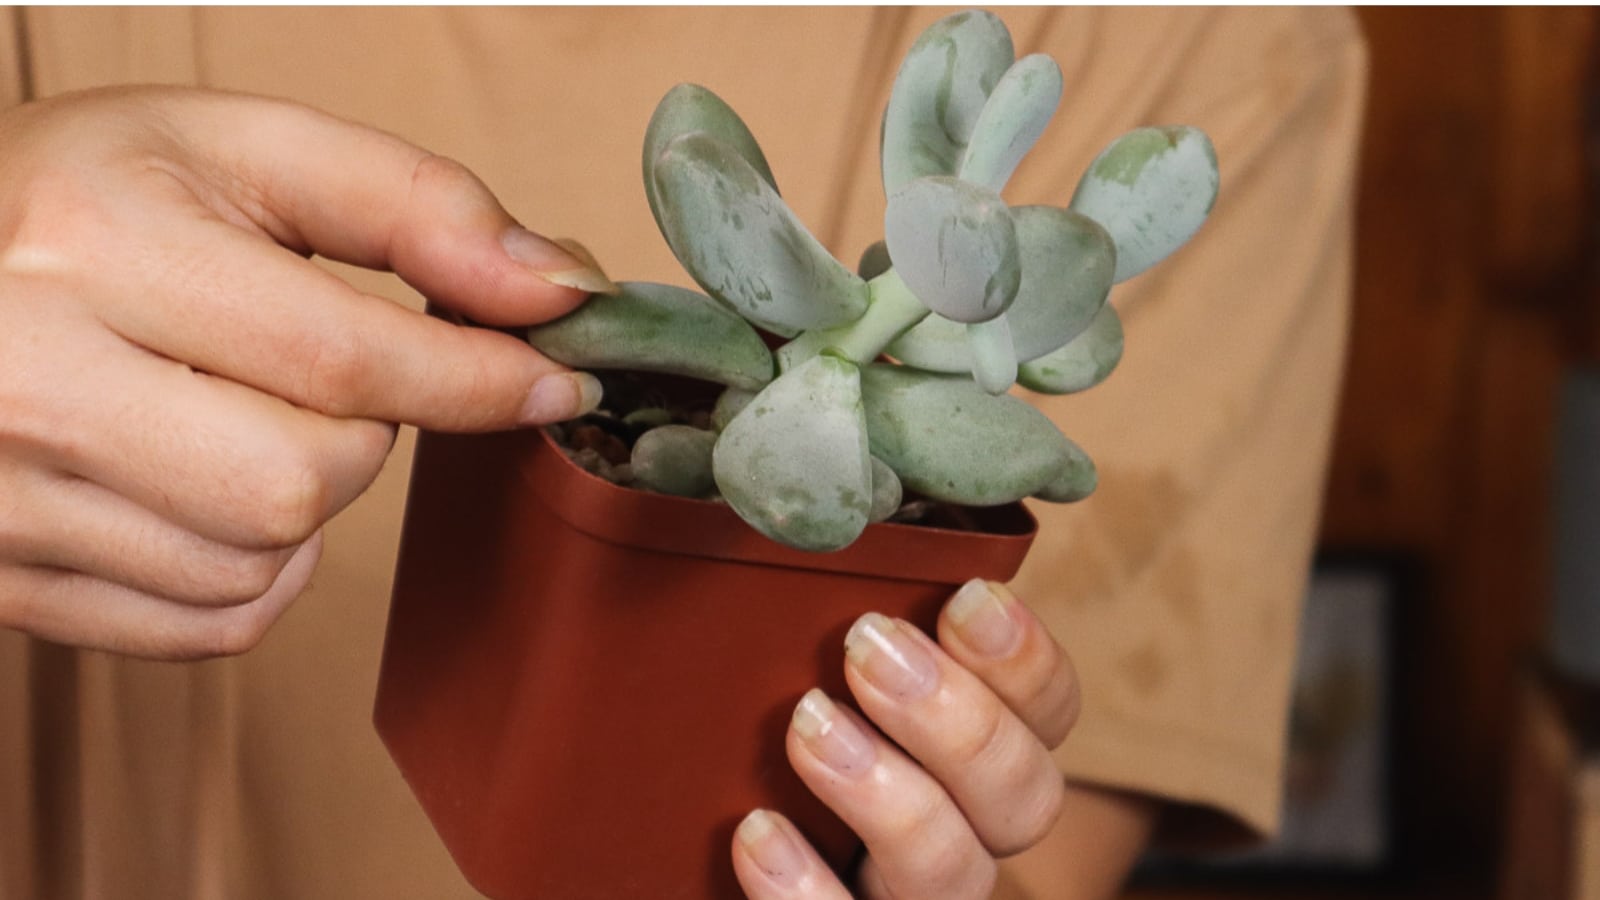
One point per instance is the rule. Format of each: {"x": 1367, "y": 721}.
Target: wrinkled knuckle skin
{"x": 336, "y": 368}
{"x": 242, "y": 576}
{"x": 289, "y": 507}
{"x": 1035, "y": 817}
{"x": 979, "y": 744}
{"x": 230, "y": 640}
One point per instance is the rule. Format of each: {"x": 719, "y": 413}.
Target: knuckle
{"x": 1031, "y": 820}
{"x": 289, "y": 506}
{"x": 984, "y": 738}
{"x": 336, "y": 367}
{"x": 238, "y": 577}
{"x": 231, "y": 636}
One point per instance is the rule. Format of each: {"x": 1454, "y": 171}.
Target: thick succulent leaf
{"x": 688, "y": 108}
{"x": 948, "y": 439}
{"x": 887, "y": 491}
{"x": 658, "y": 328}
{"x": 1084, "y": 362}
{"x": 1151, "y": 190}
{"x": 1012, "y": 120}
{"x": 874, "y": 261}
{"x": 1076, "y": 480}
{"x": 939, "y": 94}
{"x": 738, "y": 239}
{"x": 794, "y": 462}
{"x": 674, "y": 459}
{"x": 994, "y": 356}
{"x": 729, "y": 404}
{"x": 954, "y": 245}
{"x": 1067, "y": 264}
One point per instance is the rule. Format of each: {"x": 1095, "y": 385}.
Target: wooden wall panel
{"x": 1473, "y": 263}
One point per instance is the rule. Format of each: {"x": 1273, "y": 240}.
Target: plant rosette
{"x": 598, "y": 631}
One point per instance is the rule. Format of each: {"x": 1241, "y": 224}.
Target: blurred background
{"x": 1444, "y": 724}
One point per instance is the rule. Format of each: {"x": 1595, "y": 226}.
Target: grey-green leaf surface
{"x": 887, "y": 491}
{"x": 949, "y": 440}
{"x": 744, "y": 246}
{"x": 1151, "y": 190}
{"x": 994, "y": 356}
{"x": 688, "y": 108}
{"x": 658, "y": 328}
{"x": 1076, "y": 480}
{"x": 674, "y": 459}
{"x": 1067, "y": 265}
{"x": 1014, "y": 116}
{"x": 954, "y": 244}
{"x": 794, "y": 462}
{"x": 1084, "y": 362}
{"x": 939, "y": 93}
{"x": 729, "y": 404}
{"x": 874, "y": 261}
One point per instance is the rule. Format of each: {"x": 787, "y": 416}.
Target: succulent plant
{"x": 893, "y": 377}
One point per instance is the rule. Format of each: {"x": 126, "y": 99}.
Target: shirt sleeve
{"x": 1177, "y": 586}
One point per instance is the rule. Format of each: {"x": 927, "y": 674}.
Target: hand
{"x": 976, "y": 715}
{"x": 184, "y": 398}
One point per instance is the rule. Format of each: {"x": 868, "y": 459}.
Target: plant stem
{"x": 892, "y": 310}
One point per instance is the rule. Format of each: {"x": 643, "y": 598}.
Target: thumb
{"x": 352, "y": 193}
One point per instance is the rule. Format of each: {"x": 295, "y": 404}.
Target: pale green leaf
{"x": 658, "y": 328}
{"x": 743, "y": 245}
{"x": 1151, "y": 190}
{"x": 794, "y": 463}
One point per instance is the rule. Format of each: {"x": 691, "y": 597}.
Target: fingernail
{"x": 831, "y": 736}
{"x": 556, "y": 263}
{"x": 891, "y": 660}
{"x": 983, "y": 619}
{"x": 559, "y": 397}
{"x": 771, "y": 848}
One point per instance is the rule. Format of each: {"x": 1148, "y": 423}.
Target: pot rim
{"x": 685, "y": 526}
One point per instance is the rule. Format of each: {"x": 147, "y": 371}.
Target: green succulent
{"x": 966, "y": 294}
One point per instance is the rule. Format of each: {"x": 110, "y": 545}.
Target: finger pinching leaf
{"x": 794, "y": 463}
{"x": 744, "y": 246}
{"x": 955, "y": 246}
{"x": 1014, "y": 116}
{"x": 1067, "y": 264}
{"x": 938, "y": 94}
{"x": 1084, "y": 362}
{"x": 949, "y": 440}
{"x": 658, "y": 328}
{"x": 1151, "y": 190}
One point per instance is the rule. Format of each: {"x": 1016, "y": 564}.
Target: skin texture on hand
{"x": 185, "y": 398}
{"x": 949, "y": 771}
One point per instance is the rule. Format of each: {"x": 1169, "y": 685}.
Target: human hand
{"x": 976, "y": 715}
{"x": 184, "y": 398}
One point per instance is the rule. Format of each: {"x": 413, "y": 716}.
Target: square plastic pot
{"x": 588, "y": 686}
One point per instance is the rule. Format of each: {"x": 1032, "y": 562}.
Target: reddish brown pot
{"x": 588, "y": 686}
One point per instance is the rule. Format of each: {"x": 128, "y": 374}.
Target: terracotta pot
{"x": 587, "y": 686}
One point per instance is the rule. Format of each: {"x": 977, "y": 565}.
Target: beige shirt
{"x": 1176, "y": 587}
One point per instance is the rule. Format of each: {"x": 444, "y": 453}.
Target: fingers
{"x": 920, "y": 840}
{"x": 773, "y": 862}
{"x": 228, "y": 463}
{"x": 68, "y": 523}
{"x": 989, "y": 761}
{"x": 257, "y": 314}
{"x": 957, "y": 770}
{"x": 83, "y": 611}
{"x": 371, "y": 199}
{"x": 993, "y": 635}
